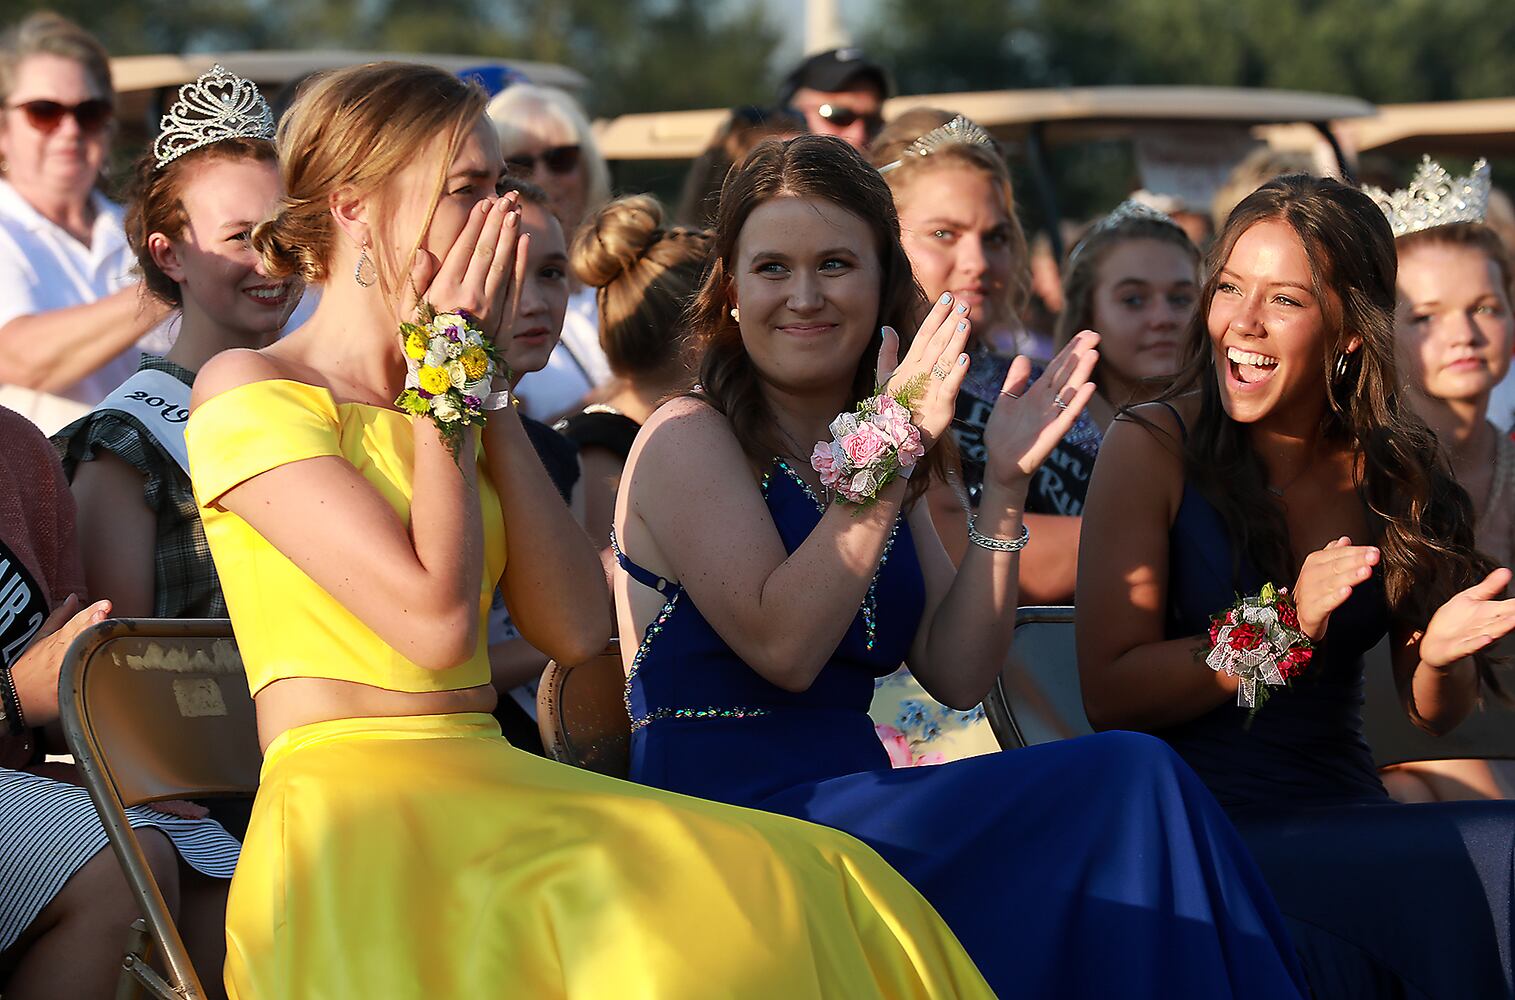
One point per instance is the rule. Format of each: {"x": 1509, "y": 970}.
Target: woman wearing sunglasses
{"x": 71, "y": 313}
{"x": 546, "y": 139}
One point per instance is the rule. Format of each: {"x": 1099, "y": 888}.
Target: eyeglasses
{"x": 558, "y": 160}
{"x": 842, "y": 117}
{"x": 45, "y": 116}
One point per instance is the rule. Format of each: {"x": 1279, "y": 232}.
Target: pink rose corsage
{"x": 870, "y": 447}
{"x": 1258, "y": 641}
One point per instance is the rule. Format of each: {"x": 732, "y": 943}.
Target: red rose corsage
{"x": 1258, "y": 641}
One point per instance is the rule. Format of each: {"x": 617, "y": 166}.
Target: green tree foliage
{"x": 1387, "y": 51}
{"x": 639, "y": 55}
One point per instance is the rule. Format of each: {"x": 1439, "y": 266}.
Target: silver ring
{"x": 939, "y": 371}
{"x": 1006, "y": 392}
{"x": 1057, "y": 401}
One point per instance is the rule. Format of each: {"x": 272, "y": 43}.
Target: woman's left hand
{"x": 1029, "y": 419}
{"x": 1469, "y": 621}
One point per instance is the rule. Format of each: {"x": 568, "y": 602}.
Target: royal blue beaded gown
{"x": 1095, "y": 868}
{"x": 1384, "y": 900}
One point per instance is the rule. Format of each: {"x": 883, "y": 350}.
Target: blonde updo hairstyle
{"x": 359, "y": 127}
{"x": 645, "y": 275}
{"x": 890, "y": 145}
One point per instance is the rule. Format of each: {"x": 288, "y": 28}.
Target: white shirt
{"x": 576, "y": 366}
{"x": 43, "y": 267}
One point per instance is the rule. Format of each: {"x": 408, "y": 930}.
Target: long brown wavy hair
{"x": 808, "y": 166}
{"x": 1419, "y": 517}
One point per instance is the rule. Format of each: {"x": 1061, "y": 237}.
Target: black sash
{"x": 23, "y": 607}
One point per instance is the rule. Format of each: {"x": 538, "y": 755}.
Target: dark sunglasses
{"x": 558, "y": 160}
{"x": 842, "y": 117}
{"x": 45, "y": 116}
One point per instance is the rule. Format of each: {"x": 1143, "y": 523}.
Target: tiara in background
{"x": 1130, "y": 210}
{"x": 1435, "y": 198}
{"x": 958, "y": 132}
{"x": 219, "y": 105}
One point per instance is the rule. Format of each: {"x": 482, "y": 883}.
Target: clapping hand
{"x": 477, "y": 273}
{"x": 1469, "y": 621}
{"x": 1029, "y": 419}
{"x": 935, "y": 367}
{"x": 1326, "y": 580}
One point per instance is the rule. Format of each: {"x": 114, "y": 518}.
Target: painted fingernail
{"x": 946, "y": 297}
{"x": 962, "y": 359}
{"x": 961, "y": 307}
{"x": 962, "y": 325}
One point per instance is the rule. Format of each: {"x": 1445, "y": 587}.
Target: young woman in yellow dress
{"x": 399, "y": 847}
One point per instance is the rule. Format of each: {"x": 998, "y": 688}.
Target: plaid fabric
{"x": 185, "y": 582}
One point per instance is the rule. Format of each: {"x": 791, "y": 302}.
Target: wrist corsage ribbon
{"x": 1258, "y": 641}
{"x": 871, "y": 446}
{"x": 450, "y": 366}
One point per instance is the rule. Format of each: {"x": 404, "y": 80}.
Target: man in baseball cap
{"x": 840, "y": 92}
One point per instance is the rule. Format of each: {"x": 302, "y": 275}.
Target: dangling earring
{"x": 736, "y": 314}
{"x": 364, "y": 272}
{"x": 1341, "y": 366}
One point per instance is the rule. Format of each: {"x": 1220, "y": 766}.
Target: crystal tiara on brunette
{"x": 1435, "y": 198}
{"x": 219, "y": 105}
{"x": 958, "y": 132}
{"x": 1129, "y": 210}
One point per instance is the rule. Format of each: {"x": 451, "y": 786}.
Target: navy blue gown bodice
{"x": 1383, "y": 900}
{"x": 1097, "y": 867}
{"x": 1306, "y": 745}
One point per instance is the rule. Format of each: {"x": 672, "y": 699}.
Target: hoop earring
{"x": 365, "y": 278}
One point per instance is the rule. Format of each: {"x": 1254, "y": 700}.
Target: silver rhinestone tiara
{"x": 1435, "y": 198}
{"x": 1129, "y": 210}
{"x": 958, "y": 132}
{"x": 219, "y": 105}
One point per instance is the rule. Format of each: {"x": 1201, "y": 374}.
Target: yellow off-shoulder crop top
{"x": 286, "y": 624}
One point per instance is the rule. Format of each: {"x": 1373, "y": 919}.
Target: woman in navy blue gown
{"x": 1286, "y": 455}
{"x": 756, "y": 616}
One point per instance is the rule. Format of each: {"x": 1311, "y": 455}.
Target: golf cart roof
{"x": 1064, "y": 115}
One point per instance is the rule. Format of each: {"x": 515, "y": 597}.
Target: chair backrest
{"x": 1036, "y": 698}
{"x": 581, "y": 712}
{"x": 157, "y": 709}
{"x": 1488, "y": 733}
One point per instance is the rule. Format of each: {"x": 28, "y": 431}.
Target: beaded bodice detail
{"x": 683, "y": 670}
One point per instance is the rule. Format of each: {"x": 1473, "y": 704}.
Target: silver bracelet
{"x": 495, "y": 400}
{"x": 997, "y": 544}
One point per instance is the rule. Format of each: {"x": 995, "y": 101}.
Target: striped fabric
{"x": 49, "y": 830}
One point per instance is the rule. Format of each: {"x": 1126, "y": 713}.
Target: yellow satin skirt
{"x": 426, "y": 857}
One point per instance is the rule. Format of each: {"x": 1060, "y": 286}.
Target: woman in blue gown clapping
{"x": 757, "y": 606}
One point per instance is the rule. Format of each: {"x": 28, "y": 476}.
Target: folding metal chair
{"x": 157, "y": 709}
{"x": 581, "y": 712}
{"x": 1036, "y": 698}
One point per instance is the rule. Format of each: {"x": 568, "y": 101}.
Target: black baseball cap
{"x": 834, "y": 70}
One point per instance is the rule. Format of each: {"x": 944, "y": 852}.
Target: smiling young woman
{"x": 757, "y": 607}
{"x": 188, "y": 221}
{"x": 1286, "y": 455}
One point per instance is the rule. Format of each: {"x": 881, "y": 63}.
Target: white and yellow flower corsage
{"x": 450, "y": 366}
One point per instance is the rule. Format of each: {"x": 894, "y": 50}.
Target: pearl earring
{"x": 735, "y": 314}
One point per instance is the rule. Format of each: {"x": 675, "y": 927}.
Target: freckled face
{"x": 544, "y": 294}
{"x": 1452, "y": 325}
{"x": 956, "y": 229}
{"x": 806, "y": 280}
{"x": 219, "y": 274}
{"x": 1144, "y": 294}
{"x": 1267, "y": 327}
